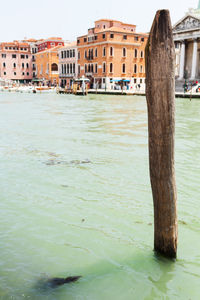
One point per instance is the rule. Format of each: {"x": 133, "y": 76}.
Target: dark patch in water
{"x": 45, "y": 284}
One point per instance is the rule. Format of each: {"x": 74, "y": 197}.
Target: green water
{"x": 75, "y": 199}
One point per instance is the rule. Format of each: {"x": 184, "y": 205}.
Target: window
{"x": 67, "y": 53}
{"x": 79, "y": 55}
{"x": 95, "y": 37}
{"x": 27, "y": 65}
{"x": 136, "y": 38}
{"x": 142, "y": 39}
{"x": 85, "y": 68}
{"x": 78, "y": 41}
{"x": 74, "y": 68}
{"x": 27, "y": 73}
{"x": 3, "y": 55}
{"x": 104, "y": 26}
{"x": 14, "y": 65}
{"x": 135, "y": 68}
{"x": 70, "y": 53}
{"x": 64, "y": 68}
{"x": 4, "y": 64}
{"x": 22, "y": 56}
{"x": 96, "y": 52}
{"x": 79, "y": 69}
{"x": 22, "y": 65}
{"x": 70, "y": 68}
{"x": 103, "y": 36}
{"x": 141, "y": 69}
{"x": 104, "y": 67}
{"x": 111, "y": 35}
{"x": 25, "y": 49}
{"x": 73, "y": 51}
{"x": 135, "y": 80}
{"x": 23, "y": 73}
{"x": 96, "y": 68}
{"x": 125, "y": 37}
{"x": 124, "y": 52}
{"x": 4, "y": 73}
{"x": 89, "y": 68}
{"x": 142, "y": 54}
{"x": 111, "y": 67}
{"x": 85, "y": 40}
{"x": 85, "y": 53}
{"x": 140, "y": 80}
{"x": 111, "y": 51}
{"x": 67, "y": 68}
{"x": 15, "y": 73}
{"x": 136, "y": 53}
{"x": 14, "y": 56}
{"x": 92, "y": 69}
{"x": 26, "y": 56}
{"x": 123, "y": 68}
{"x": 104, "y": 51}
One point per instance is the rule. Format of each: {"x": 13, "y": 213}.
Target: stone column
{"x": 182, "y": 60}
{"x": 194, "y": 59}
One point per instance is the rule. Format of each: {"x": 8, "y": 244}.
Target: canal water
{"x": 75, "y": 199}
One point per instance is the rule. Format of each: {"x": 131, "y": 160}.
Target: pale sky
{"x": 71, "y": 18}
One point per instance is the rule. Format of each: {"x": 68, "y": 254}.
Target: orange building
{"x": 46, "y": 63}
{"x": 112, "y": 54}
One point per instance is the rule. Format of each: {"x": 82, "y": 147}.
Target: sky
{"x": 71, "y": 18}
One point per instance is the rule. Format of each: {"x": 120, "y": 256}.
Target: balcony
{"x": 54, "y": 72}
{"x": 90, "y": 57}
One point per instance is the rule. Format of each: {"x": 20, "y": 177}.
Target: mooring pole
{"x": 160, "y": 93}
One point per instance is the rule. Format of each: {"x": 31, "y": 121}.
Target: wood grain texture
{"x": 160, "y": 93}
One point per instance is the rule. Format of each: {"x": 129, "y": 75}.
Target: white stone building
{"x": 186, "y": 34}
{"x": 68, "y": 68}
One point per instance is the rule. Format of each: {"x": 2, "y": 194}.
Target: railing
{"x": 91, "y": 57}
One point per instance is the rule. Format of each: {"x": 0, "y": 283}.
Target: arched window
{"x": 135, "y": 68}
{"x": 67, "y": 53}
{"x": 70, "y": 68}
{"x": 73, "y": 68}
{"x": 89, "y": 68}
{"x": 67, "y": 68}
{"x": 92, "y": 69}
{"x": 111, "y": 51}
{"x": 142, "y": 54}
{"x": 136, "y": 53}
{"x": 111, "y": 67}
{"x": 85, "y": 53}
{"x": 104, "y": 51}
{"x": 54, "y": 67}
{"x": 124, "y": 52}
{"x": 123, "y": 68}
{"x": 85, "y": 68}
{"x": 14, "y": 65}
{"x": 96, "y": 52}
{"x": 141, "y": 69}
{"x": 62, "y": 69}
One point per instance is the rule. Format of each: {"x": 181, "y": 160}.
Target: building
{"x": 46, "y": 65}
{"x": 112, "y": 54}
{"x": 68, "y": 68}
{"x": 49, "y": 43}
{"x": 16, "y": 62}
{"x": 186, "y": 34}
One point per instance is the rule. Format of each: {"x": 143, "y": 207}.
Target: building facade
{"x": 49, "y": 43}
{"x": 46, "y": 65}
{"x": 16, "y": 62}
{"x": 112, "y": 54}
{"x": 186, "y": 34}
{"x": 68, "y": 68}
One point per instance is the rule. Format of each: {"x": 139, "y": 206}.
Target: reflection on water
{"x": 76, "y": 199}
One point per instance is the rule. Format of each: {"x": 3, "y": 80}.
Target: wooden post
{"x": 160, "y": 93}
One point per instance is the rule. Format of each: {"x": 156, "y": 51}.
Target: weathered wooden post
{"x": 160, "y": 93}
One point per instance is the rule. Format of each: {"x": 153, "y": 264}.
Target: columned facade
{"x": 186, "y": 34}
